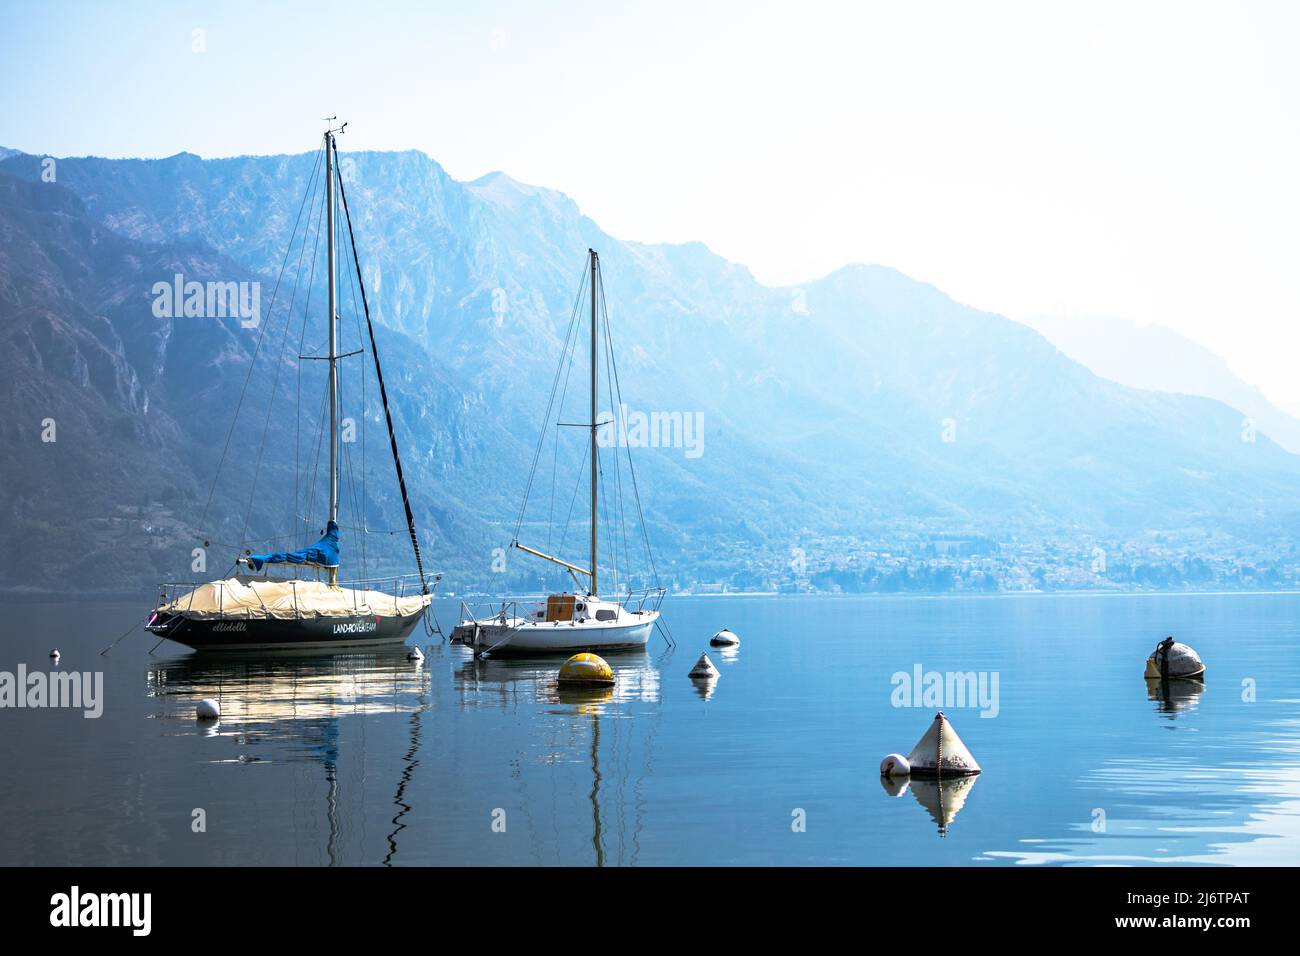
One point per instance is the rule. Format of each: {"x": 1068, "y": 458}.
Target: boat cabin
{"x": 573, "y": 609}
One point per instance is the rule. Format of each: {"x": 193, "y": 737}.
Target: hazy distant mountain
{"x": 1155, "y": 357}
{"x": 864, "y": 404}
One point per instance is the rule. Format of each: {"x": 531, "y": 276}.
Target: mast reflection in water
{"x": 313, "y": 708}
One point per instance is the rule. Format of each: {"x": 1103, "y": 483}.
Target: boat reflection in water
{"x": 301, "y": 698}
{"x": 1175, "y": 695}
{"x": 590, "y": 747}
{"x": 942, "y": 797}
{"x": 260, "y": 692}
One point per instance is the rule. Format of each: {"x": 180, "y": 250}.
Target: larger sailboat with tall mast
{"x": 251, "y": 609}
{"x": 581, "y": 620}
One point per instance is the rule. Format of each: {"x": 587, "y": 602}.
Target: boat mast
{"x": 333, "y": 339}
{"x": 594, "y": 268}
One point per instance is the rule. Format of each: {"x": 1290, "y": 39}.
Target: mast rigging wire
{"x": 260, "y": 337}
{"x": 383, "y": 391}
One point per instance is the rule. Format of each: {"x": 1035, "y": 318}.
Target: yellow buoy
{"x": 586, "y": 670}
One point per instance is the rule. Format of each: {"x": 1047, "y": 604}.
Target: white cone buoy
{"x": 55, "y": 655}
{"x": 415, "y": 654}
{"x": 207, "y": 709}
{"x": 895, "y": 765}
{"x": 724, "y": 638}
{"x": 941, "y": 751}
{"x": 1172, "y": 660}
{"x": 703, "y": 669}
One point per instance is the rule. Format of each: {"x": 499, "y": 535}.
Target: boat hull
{"x": 518, "y": 637}
{"x": 361, "y": 630}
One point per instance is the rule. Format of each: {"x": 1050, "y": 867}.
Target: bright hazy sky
{"x": 1133, "y": 159}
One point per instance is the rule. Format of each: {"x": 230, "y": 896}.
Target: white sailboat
{"x": 250, "y": 609}
{"x": 575, "y": 621}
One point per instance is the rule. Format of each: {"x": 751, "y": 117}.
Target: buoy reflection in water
{"x": 586, "y": 697}
{"x": 500, "y": 681}
{"x": 705, "y": 686}
{"x": 943, "y": 797}
{"x": 895, "y": 786}
{"x": 729, "y": 653}
{"x": 1175, "y": 696}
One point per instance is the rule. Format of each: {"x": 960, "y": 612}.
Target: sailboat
{"x": 570, "y": 621}
{"x": 251, "y": 609}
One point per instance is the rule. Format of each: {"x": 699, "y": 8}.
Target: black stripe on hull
{"x": 355, "y": 631}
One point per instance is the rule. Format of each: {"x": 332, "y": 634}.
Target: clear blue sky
{"x": 1134, "y": 159}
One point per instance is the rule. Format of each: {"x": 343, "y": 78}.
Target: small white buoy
{"x": 941, "y": 751}
{"x": 703, "y": 669}
{"x": 724, "y": 638}
{"x": 54, "y": 654}
{"x": 415, "y": 654}
{"x": 895, "y": 765}
{"x": 207, "y": 709}
{"x": 1172, "y": 660}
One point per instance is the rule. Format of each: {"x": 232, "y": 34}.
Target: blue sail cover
{"x": 324, "y": 553}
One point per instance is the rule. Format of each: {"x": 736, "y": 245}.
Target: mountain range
{"x": 864, "y": 407}
{"x": 1158, "y": 358}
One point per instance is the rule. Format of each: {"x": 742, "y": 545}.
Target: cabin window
{"x": 604, "y": 614}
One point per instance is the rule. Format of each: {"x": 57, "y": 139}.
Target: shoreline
{"x": 118, "y": 597}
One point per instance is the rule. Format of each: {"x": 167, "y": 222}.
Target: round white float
{"x": 724, "y": 638}
{"x": 207, "y": 709}
{"x": 895, "y": 765}
{"x": 54, "y": 654}
{"x": 415, "y": 654}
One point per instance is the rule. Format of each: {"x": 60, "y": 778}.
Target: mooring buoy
{"x": 55, "y": 655}
{"x": 724, "y": 638}
{"x": 207, "y": 709}
{"x": 1172, "y": 660}
{"x": 941, "y": 752}
{"x": 586, "y": 670}
{"x": 703, "y": 669}
{"x": 415, "y": 654}
{"x": 895, "y": 765}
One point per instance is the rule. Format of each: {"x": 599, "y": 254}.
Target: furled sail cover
{"x": 324, "y": 553}
{"x": 249, "y": 598}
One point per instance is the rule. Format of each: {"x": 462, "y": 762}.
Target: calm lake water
{"x": 369, "y": 759}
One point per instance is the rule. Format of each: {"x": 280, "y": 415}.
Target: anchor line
{"x": 938, "y": 749}
{"x": 938, "y": 773}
